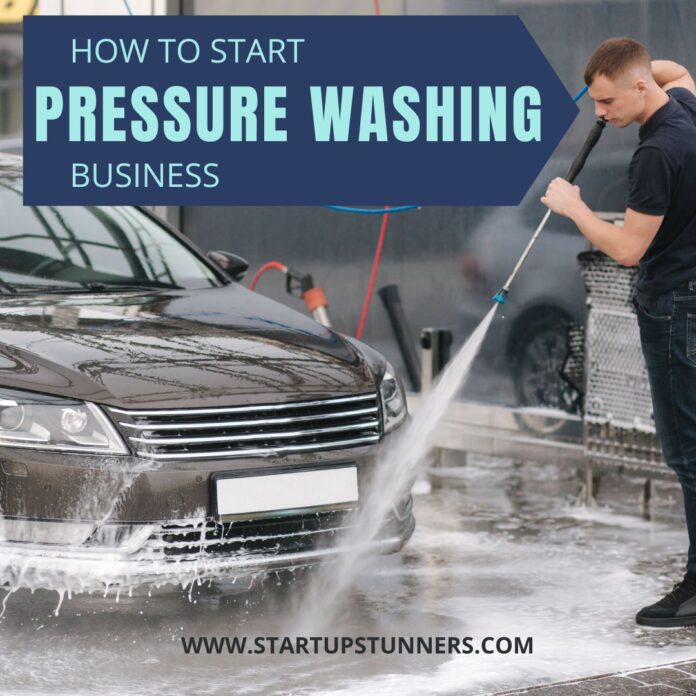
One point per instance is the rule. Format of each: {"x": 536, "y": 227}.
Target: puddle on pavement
{"x": 500, "y": 550}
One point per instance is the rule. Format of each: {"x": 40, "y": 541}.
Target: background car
{"x": 524, "y": 353}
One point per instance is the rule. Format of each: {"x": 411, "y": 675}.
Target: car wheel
{"x": 540, "y": 354}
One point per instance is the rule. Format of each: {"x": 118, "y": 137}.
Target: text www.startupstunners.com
{"x": 359, "y": 645}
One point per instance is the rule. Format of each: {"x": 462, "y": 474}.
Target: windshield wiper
{"x": 86, "y": 287}
{"x": 99, "y": 286}
{"x": 6, "y": 288}
{"x": 35, "y": 288}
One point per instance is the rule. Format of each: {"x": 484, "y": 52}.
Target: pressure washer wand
{"x": 575, "y": 169}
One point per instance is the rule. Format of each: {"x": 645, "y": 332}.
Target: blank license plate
{"x": 286, "y": 491}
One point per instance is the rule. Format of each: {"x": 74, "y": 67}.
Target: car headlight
{"x": 393, "y": 398}
{"x": 52, "y": 423}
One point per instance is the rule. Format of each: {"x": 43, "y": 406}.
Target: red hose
{"x": 373, "y": 276}
{"x": 375, "y": 263}
{"x": 267, "y": 267}
{"x": 378, "y": 252}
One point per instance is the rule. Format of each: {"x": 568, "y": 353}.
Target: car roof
{"x": 10, "y": 165}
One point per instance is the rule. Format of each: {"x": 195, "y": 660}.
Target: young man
{"x": 659, "y": 236}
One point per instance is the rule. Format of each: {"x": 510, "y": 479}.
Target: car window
{"x": 49, "y": 245}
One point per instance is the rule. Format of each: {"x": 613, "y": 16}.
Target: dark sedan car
{"x": 158, "y": 419}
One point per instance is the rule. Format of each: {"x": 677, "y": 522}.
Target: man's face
{"x": 620, "y": 101}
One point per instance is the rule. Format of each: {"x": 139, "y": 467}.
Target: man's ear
{"x": 641, "y": 86}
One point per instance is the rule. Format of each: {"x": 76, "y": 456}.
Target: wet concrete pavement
{"x": 501, "y": 549}
{"x": 678, "y": 678}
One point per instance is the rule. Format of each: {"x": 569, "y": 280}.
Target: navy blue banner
{"x": 286, "y": 110}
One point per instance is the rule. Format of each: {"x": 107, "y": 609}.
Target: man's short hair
{"x": 616, "y": 56}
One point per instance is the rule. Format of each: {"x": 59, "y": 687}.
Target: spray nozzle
{"x": 500, "y": 296}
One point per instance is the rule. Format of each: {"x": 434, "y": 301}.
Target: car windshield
{"x": 90, "y": 247}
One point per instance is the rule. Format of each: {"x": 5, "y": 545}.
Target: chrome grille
{"x": 248, "y": 431}
{"x": 251, "y": 537}
{"x": 187, "y": 539}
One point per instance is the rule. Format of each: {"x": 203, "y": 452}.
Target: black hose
{"x": 402, "y": 331}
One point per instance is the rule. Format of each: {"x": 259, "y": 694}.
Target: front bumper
{"x": 54, "y": 486}
{"x": 182, "y": 553}
{"x": 86, "y": 523}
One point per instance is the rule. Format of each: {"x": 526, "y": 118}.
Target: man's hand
{"x": 562, "y": 197}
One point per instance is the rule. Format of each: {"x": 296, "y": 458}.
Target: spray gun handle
{"x": 575, "y": 169}
{"x": 590, "y": 142}
{"x": 297, "y": 283}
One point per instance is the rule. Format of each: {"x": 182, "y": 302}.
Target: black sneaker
{"x": 678, "y": 608}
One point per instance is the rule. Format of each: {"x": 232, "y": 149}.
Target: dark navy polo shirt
{"x": 662, "y": 181}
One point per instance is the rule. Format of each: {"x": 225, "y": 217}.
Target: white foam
{"x": 106, "y": 568}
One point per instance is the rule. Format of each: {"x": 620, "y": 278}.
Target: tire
{"x": 539, "y": 354}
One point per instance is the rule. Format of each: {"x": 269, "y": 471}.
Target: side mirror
{"x": 235, "y": 266}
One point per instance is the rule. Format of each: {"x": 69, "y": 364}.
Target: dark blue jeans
{"x": 668, "y": 337}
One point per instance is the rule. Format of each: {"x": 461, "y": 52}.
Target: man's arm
{"x": 669, "y": 74}
{"x": 626, "y": 245}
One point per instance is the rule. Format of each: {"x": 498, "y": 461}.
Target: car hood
{"x": 183, "y": 348}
